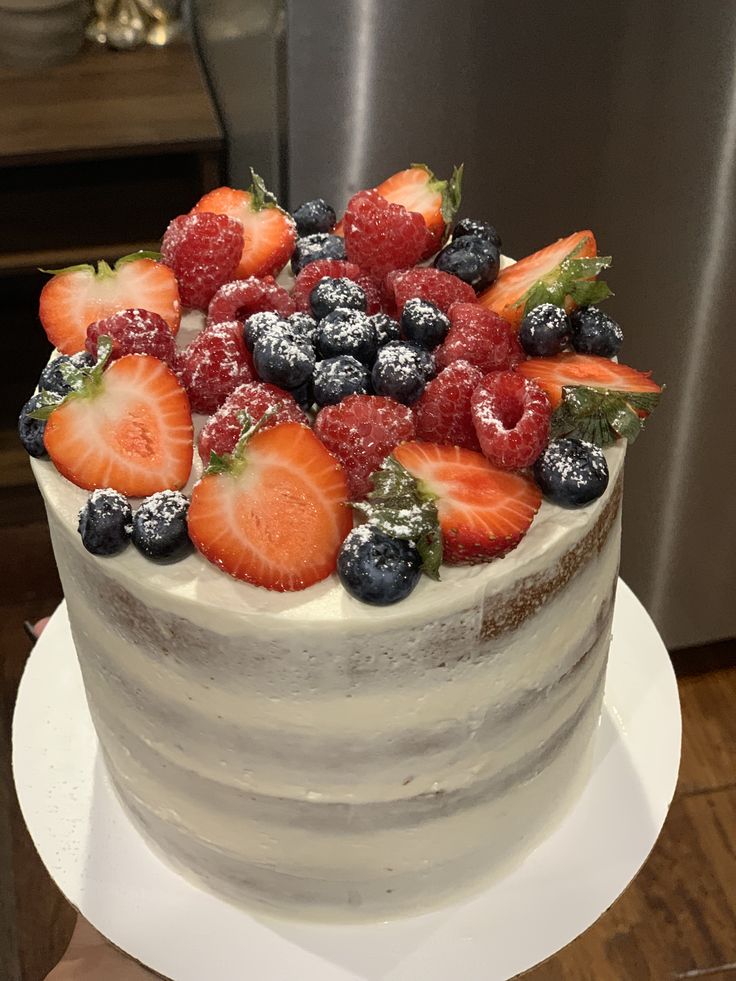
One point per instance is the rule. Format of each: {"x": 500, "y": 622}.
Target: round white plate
{"x": 107, "y": 871}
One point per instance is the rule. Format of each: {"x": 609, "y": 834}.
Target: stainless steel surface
{"x": 620, "y": 117}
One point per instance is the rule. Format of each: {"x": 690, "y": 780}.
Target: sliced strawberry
{"x": 79, "y": 295}
{"x": 269, "y": 233}
{"x": 277, "y": 515}
{"x": 484, "y": 512}
{"x": 129, "y": 429}
{"x": 585, "y": 369}
{"x": 507, "y": 295}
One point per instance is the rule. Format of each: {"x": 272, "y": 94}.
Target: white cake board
{"x": 107, "y": 871}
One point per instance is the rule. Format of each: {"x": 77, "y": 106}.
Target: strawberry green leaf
{"x": 81, "y": 267}
{"x": 135, "y": 256}
{"x": 219, "y": 463}
{"x": 234, "y": 462}
{"x": 84, "y": 381}
{"x": 601, "y": 415}
{"x": 47, "y": 402}
{"x": 452, "y": 195}
{"x": 587, "y": 292}
{"x": 573, "y": 278}
{"x": 261, "y": 197}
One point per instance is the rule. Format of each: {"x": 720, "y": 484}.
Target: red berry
{"x": 203, "y": 250}
{"x": 222, "y": 430}
{"x": 381, "y": 236}
{"x": 134, "y": 332}
{"x": 360, "y": 432}
{"x": 443, "y": 410}
{"x": 242, "y": 297}
{"x": 312, "y": 273}
{"x": 432, "y": 285}
{"x": 375, "y": 294}
{"x": 214, "y": 364}
{"x": 481, "y": 337}
{"x": 511, "y": 416}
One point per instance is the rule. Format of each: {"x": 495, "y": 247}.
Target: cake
{"x": 365, "y": 744}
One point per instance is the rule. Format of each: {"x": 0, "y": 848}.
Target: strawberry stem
{"x": 261, "y": 197}
{"x": 85, "y": 382}
{"x": 233, "y": 463}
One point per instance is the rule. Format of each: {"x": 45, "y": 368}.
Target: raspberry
{"x": 433, "y": 285}
{"x": 134, "y": 332}
{"x": 375, "y": 294}
{"x": 381, "y": 236}
{"x": 481, "y": 337}
{"x": 214, "y": 364}
{"x": 311, "y": 275}
{"x": 511, "y": 416}
{"x": 360, "y": 432}
{"x": 242, "y": 297}
{"x": 203, "y": 250}
{"x": 222, "y": 430}
{"x": 443, "y": 412}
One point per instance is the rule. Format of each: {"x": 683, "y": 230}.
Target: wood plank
{"x": 709, "y": 730}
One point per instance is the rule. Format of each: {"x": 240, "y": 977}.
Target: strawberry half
{"x": 507, "y": 296}
{"x": 269, "y": 233}
{"x": 128, "y": 427}
{"x": 484, "y": 512}
{"x": 80, "y": 295}
{"x": 274, "y": 513}
{"x": 586, "y": 369}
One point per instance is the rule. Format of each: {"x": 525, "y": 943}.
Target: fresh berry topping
{"x": 477, "y": 228}
{"x": 283, "y": 357}
{"x": 105, "y": 522}
{"x": 473, "y": 260}
{"x": 380, "y": 236}
{"x": 160, "y": 527}
{"x": 347, "y": 332}
{"x": 377, "y": 569}
{"x": 361, "y": 432}
{"x": 314, "y": 216}
{"x": 437, "y": 201}
{"x": 275, "y": 513}
{"x": 585, "y": 369}
{"x": 401, "y": 371}
{"x": 484, "y": 512}
{"x": 376, "y": 297}
{"x": 243, "y": 297}
{"x": 134, "y": 332}
{"x": 481, "y": 337}
{"x": 571, "y": 472}
{"x": 52, "y": 377}
{"x": 429, "y": 284}
{"x": 336, "y": 378}
{"x": 214, "y": 364}
{"x": 222, "y": 430}
{"x": 423, "y": 323}
{"x": 311, "y": 248}
{"x": 314, "y": 272}
{"x": 544, "y": 331}
{"x": 128, "y": 428}
{"x": 78, "y": 296}
{"x": 508, "y": 295}
{"x": 386, "y": 328}
{"x": 594, "y": 332}
{"x": 329, "y": 294}
{"x": 31, "y": 431}
{"x": 443, "y": 412}
{"x": 257, "y": 323}
{"x": 269, "y": 233}
{"x": 203, "y": 250}
{"x": 303, "y": 395}
{"x": 304, "y": 325}
{"x": 511, "y": 415}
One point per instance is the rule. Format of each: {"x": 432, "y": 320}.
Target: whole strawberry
{"x": 134, "y": 332}
{"x": 380, "y": 236}
{"x": 203, "y": 250}
{"x": 214, "y": 364}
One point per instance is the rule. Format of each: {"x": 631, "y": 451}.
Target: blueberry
{"x": 258, "y": 322}
{"x": 401, "y": 371}
{"x": 302, "y": 323}
{"x": 31, "y": 431}
{"x": 571, "y": 472}
{"x": 347, "y": 332}
{"x": 329, "y": 294}
{"x": 377, "y": 569}
{"x": 283, "y": 357}
{"x": 314, "y": 247}
{"x": 314, "y": 216}
{"x": 544, "y": 331}
{"x": 473, "y": 260}
{"x": 336, "y": 378}
{"x": 594, "y": 332}
{"x": 423, "y": 323}
{"x": 105, "y": 522}
{"x": 160, "y": 526}
{"x": 52, "y": 380}
{"x": 478, "y": 228}
{"x": 304, "y": 395}
{"x": 386, "y": 328}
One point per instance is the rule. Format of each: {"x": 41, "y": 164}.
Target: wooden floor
{"x": 676, "y": 921}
